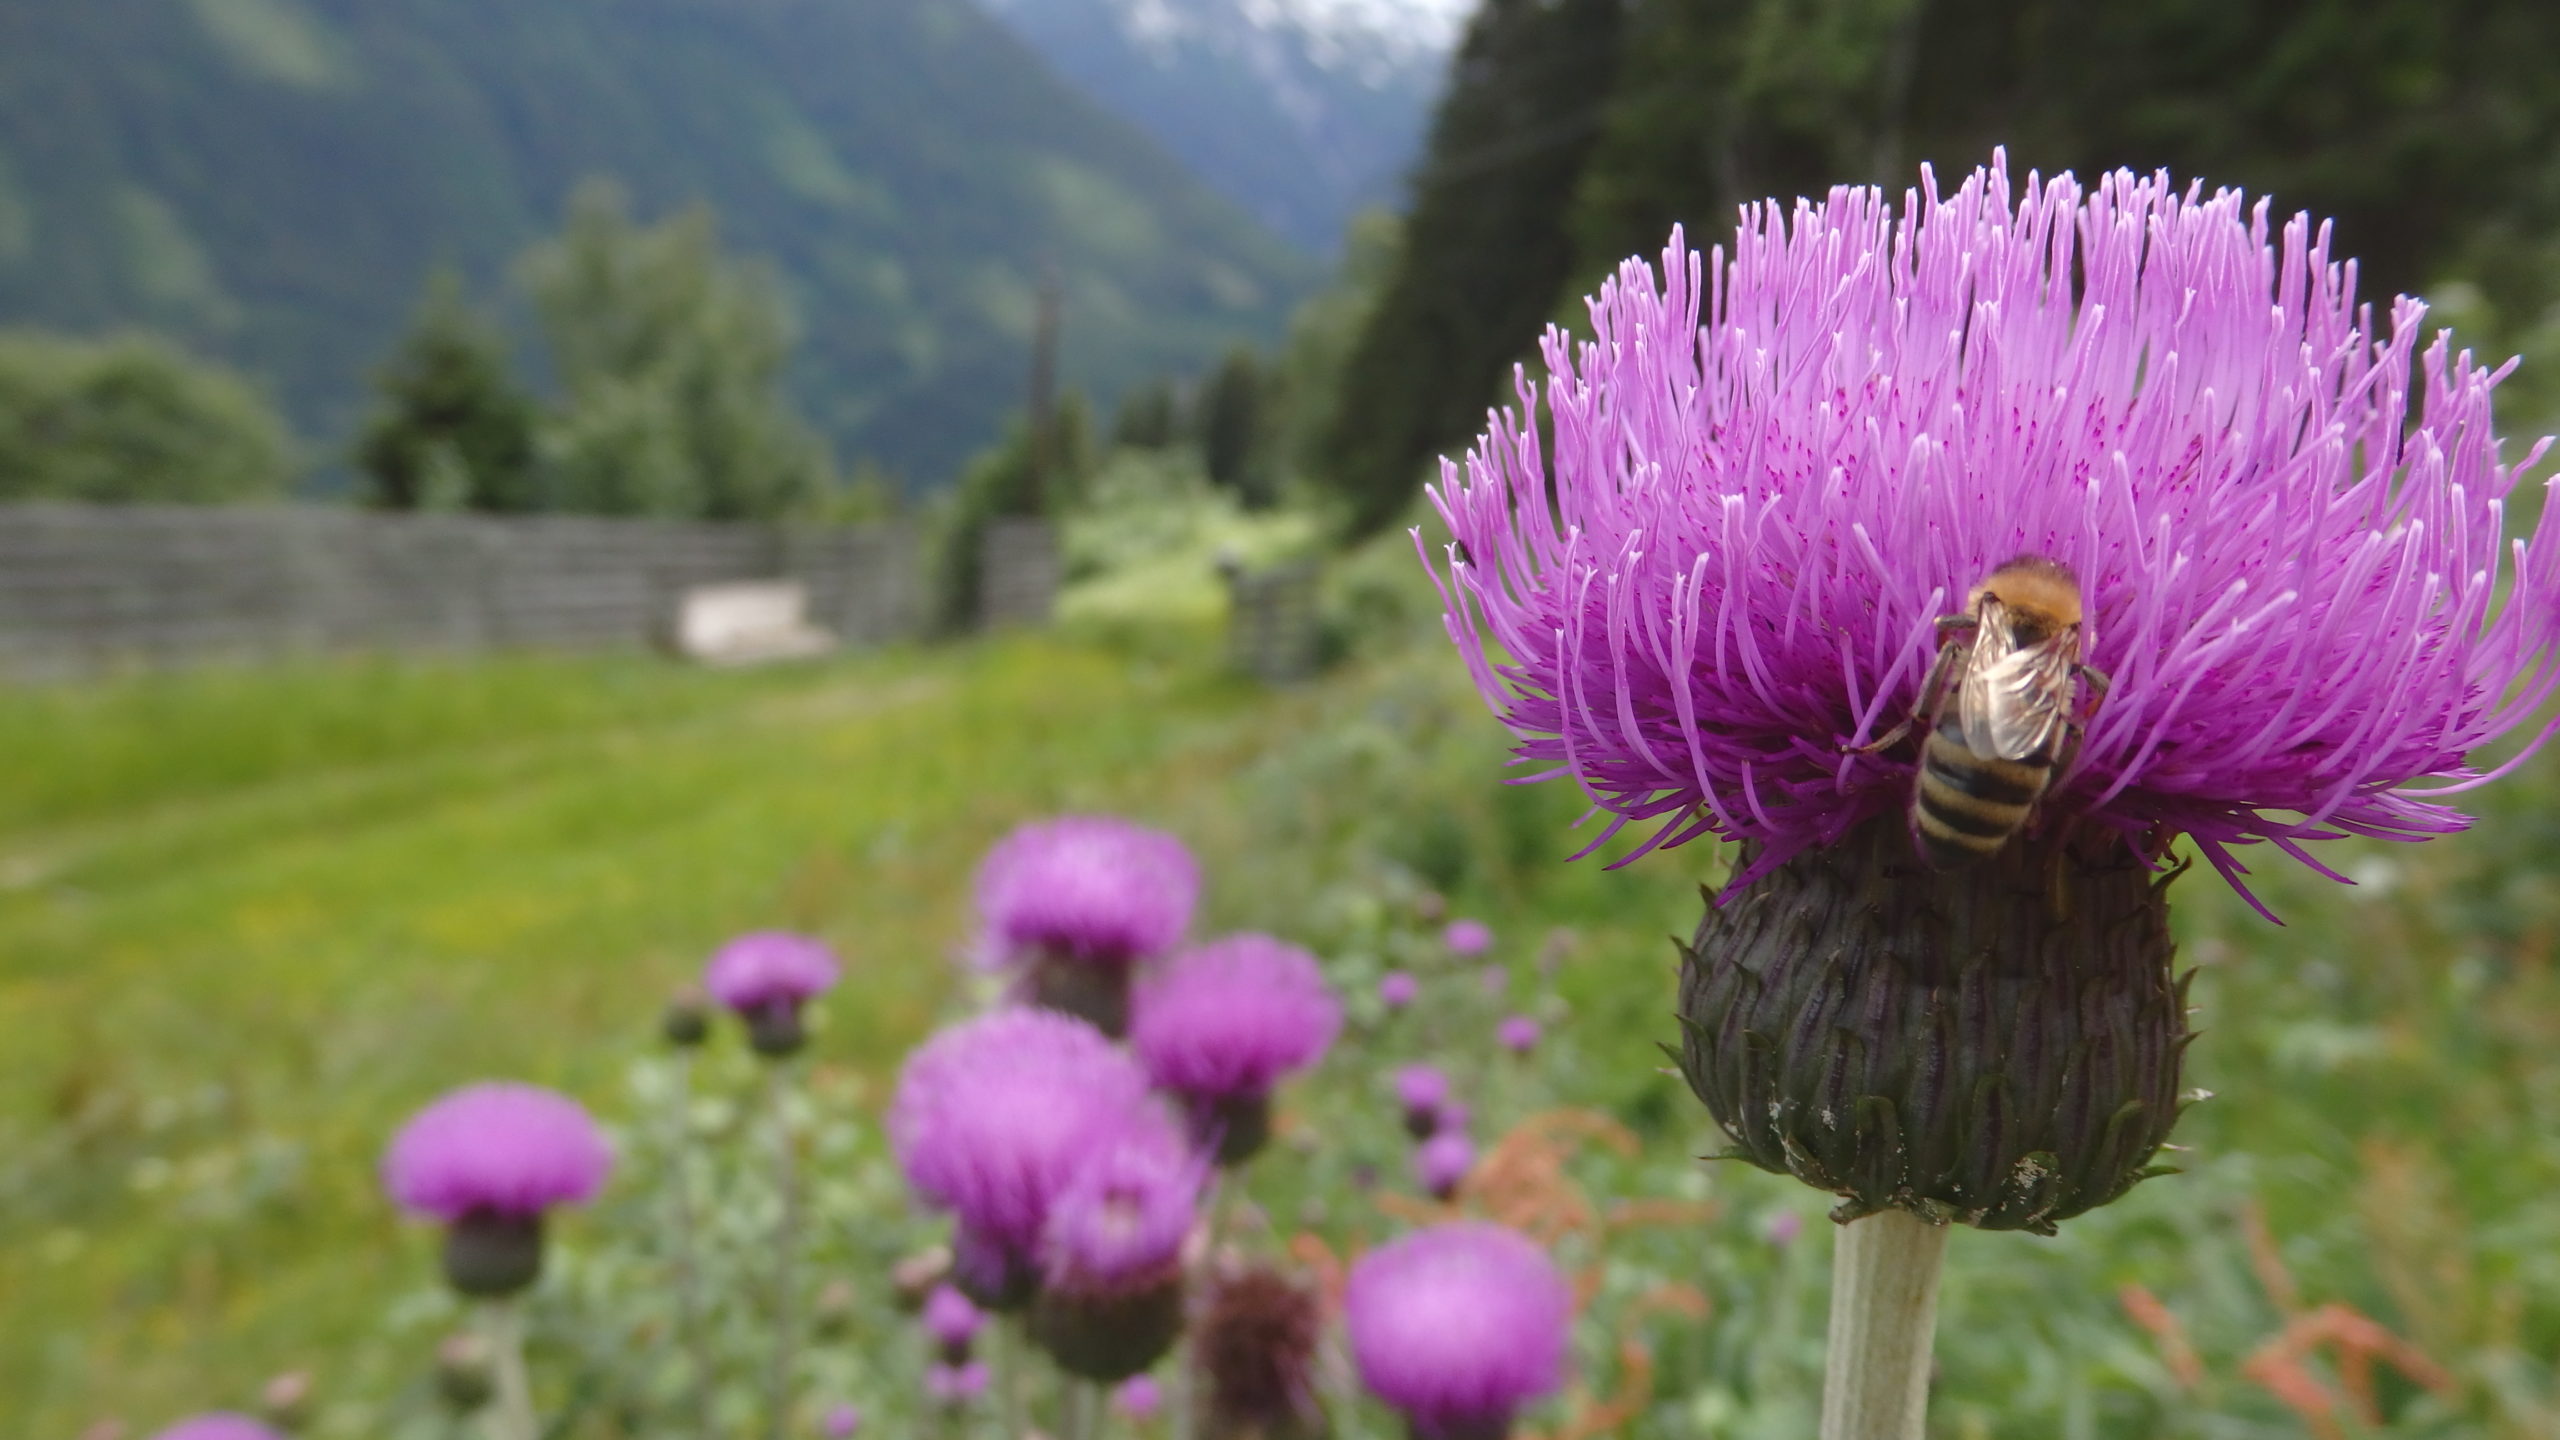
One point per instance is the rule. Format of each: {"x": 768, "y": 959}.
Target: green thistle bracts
{"x": 1997, "y": 1045}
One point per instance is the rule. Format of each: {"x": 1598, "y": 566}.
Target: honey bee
{"x": 2013, "y": 660}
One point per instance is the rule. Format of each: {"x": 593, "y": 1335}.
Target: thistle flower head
{"x": 220, "y": 1425}
{"x": 1122, "y": 1218}
{"x": 1256, "y": 1349}
{"x": 1421, "y": 1087}
{"x": 1231, "y": 1017}
{"x": 1773, "y": 472}
{"x": 496, "y": 1149}
{"x": 950, "y": 1318}
{"x": 1085, "y": 887}
{"x": 1397, "y": 989}
{"x": 841, "y": 1422}
{"x": 1517, "y": 1034}
{"x": 1441, "y": 1163}
{"x": 1458, "y": 1326}
{"x": 1467, "y": 939}
{"x": 955, "y": 1385}
{"x": 1139, "y": 1397}
{"x": 769, "y": 967}
{"x": 994, "y": 1116}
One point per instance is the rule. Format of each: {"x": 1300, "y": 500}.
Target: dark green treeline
{"x": 1576, "y": 132}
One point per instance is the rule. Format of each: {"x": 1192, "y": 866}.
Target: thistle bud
{"x": 686, "y": 1022}
{"x": 1997, "y": 1045}
{"x": 466, "y": 1371}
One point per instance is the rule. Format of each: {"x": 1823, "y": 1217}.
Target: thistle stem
{"x": 511, "y": 1418}
{"x": 786, "y": 1309}
{"x": 688, "y": 1264}
{"x": 1012, "y": 1358}
{"x": 1884, "y": 1317}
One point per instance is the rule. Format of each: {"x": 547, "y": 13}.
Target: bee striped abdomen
{"x": 1966, "y": 806}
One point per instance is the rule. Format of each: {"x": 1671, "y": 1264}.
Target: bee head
{"x": 2041, "y": 595}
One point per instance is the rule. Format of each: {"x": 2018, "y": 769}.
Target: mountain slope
{"x": 271, "y": 179}
{"x": 1302, "y": 111}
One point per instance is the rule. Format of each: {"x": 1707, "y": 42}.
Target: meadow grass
{"x": 250, "y": 918}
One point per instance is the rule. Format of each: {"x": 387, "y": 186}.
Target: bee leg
{"x": 1933, "y": 686}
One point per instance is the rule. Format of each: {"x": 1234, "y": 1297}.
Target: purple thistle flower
{"x": 1397, "y": 989}
{"x": 1422, "y": 1092}
{"x": 1089, "y": 887}
{"x": 994, "y": 1116}
{"x": 1441, "y": 1163}
{"x": 952, "y": 1321}
{"x": 1110, "y": 1304}
{"x": 220, "y": 1425}
{"x": 1139, "y": 1398}
{"x": 841, "y": 1422}
{"x": 1783, "y": 1228}
{"x": 1458, "y": 1326}
{"x": 955, "y": 1385}
{"x": 1123, "y": 1217}
{"x": 1223, "y": 1023}
{"x": 765, "y": 977}
{"x": 488, "y": 1160}
{"x": 1773, "y": 473}
{"x": 499, "y": 1149}
{"x": 1517, "y": 1033}
{"x": 1467, "y": 939}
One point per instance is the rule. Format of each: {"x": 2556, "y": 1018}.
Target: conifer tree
{"x": 1232, "y": 422}
{"x": 450, "y": 427}
{"x": 1486, "y": 247}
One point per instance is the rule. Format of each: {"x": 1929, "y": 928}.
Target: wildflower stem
{"x": 1884, "y": 1315}
{"x": 688, "y": 1263}
{"x": 511, "y": 1418}
{"x": 786, "y": 1309}
{"x": 1013, "y": 1356}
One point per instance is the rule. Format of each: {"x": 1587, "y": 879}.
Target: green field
{"x": 250, "y": 918}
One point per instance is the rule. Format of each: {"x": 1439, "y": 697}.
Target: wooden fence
{"x": 82, "y": 586}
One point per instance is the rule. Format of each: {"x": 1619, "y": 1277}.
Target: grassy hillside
{"x": 250, "y": 918}
{"x": 271, "y": 179}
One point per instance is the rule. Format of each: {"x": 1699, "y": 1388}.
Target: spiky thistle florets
{"x": 1771, "y": 474}
{"x": 496, "y": 1149}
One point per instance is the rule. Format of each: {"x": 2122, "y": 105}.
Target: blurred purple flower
{"x": 1467, "y": 939}
{"x": 1421, "y": 1087}
{"x": 1087, "y": 887}
{"x": 1231, "y": 1017}
{"x": 1728, "y": 583}
{"x": 955, "y": 1385}
{"x": 220, "y": 1425}
{"x": 1139, "y": 1397}
{"x": 1422, "y": 1093}
{"x": 1441, "y": 1163}
{"x": 1122, "y": 1218}
{"x": 842, "y": 1422}
{"x": 1397, "y": 989}
{"x": 498, "y": 1149}
{"x": 769, "y": 967}
{"x": 1783, "y": 1228}
{"x": 1518, "y": 1034}
{"x": 1458, "y": 1326}
{"x": 994, "y": 1116}
{"x": 952, "y": 1321}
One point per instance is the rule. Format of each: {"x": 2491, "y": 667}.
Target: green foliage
{"x": 1485, "y": 247}
{"x": 1235, "y": 426}
{"x": 450, "y": 429}
{"x": 270, "y": 180}
{"x": 670, "y": 355}
{"x": 1149, "y": 417}
{"x": 1144, "y": 544}
{"x": 1003, "y": 482}
{"x": 132, "y": 419}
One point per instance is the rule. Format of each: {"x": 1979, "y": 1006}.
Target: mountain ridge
{"x": 270, "y": 180}
{"x": 1302, "y": 111}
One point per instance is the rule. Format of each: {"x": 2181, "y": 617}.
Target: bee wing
{"x": 2015, "y": 699}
